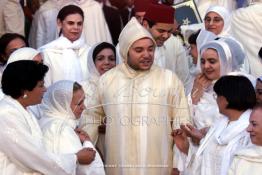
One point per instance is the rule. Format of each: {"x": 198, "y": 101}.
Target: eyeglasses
{"x": 214, "y": 20}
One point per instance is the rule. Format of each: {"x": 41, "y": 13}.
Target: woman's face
{"x": 77, "y": 104}
{"x": 194, "y": 53}
{"x": 72, "y": 26}
{"x": 255, "y": 127}
{"x": 210, "y": 64}
{"x": 36, "y": 95}
{"x": 105, "y": 60}
{"x": 13, "y": 45}
{"x": 214, "y": 23}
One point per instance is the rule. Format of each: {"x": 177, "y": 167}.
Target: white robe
{"x": 138, "y": 107}
{"x": 12, "y": 17}
{"x": 44, "y": 27}
{"x": 66, "y": 60}
{"x": 217, "y": 148}
{"x": 246, "y": 28}
{"x": 60, "y": 138}
{"x": 247, "y": 161}
{"x": 21, "y": 148}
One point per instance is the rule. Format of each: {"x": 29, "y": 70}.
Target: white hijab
{"x": 225, "y": 15}
{"x": 25, "y": 53}
{"x": 203, "y": 37}
{"x": 231, "y": 55}
{"x": 90, "y": 62}
{"x": 56, "y": 102}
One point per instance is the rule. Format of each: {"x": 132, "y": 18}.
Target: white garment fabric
{"x": 177, "y": 61}
{"x": 44, "y": 27}
{"x": 219, "y": 145}
{"x": 12, "y": 18}
{"x": 247, "y": 161}
{"x": 58, "y": 123}
{"x": 66, "y": 60}
{"x": 21, "y": 147}
{"x": 246, "y": 28}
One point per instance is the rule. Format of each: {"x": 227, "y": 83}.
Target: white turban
{"x": 25, "y": 53}
{"x": 132, "y": 32}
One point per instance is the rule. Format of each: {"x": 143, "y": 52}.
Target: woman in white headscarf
{"x": 66, "y": 56}
{"x": 62, "y": 106}
{"x": 101, "y": 58}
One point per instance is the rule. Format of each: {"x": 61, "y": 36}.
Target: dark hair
{"x": 102, "y": 46}
{"x": 193, "y": 37}
{"x": 150, "y": 22}
{"x": 22, "y": 75}
{"x": 69, "y": 10}
{"x": 5, "y": 40}
{"x": 76, "y": 87}
{"x": 260, "y": 53}
{"x": 238, "y": 91}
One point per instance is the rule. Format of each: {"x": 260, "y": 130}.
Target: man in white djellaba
{"x": 142, "y": 103}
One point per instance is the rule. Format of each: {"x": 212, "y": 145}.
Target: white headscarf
{"x": 90, "y": 61}
{"x": 132, "y": 32}
{"x": 225, "y": 15}
{"x": 25, "y": 53}
{"x": 203, "y": 37}
{"x": 57, "y": 100}
{"x": 231, "y": 55}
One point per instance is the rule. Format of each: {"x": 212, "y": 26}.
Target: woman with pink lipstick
{"x": 66, "y": 56}
{"x": 101, "y": 58}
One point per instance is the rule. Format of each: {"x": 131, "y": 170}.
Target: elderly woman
{"x": 22, "y": 149}
{"x": 249, "y": 160}
{"x": 66, "y": 56}
{"x": 235, "y": 97}
{"x": 62, "y": 107}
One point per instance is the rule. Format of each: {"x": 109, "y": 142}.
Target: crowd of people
{"x": 90, "y": 89}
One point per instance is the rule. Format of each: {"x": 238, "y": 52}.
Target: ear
{"x": 145, "y": 24}
{"x": 59, "y": 23}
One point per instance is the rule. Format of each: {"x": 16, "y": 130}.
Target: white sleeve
{"x": 21, "y": 148}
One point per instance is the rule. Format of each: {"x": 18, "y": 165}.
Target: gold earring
{"x": 25, "y": 96}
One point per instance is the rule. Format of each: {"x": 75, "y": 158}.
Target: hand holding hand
{"x": 86, "y": 155}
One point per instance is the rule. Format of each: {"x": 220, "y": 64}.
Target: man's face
{"x": 161, "y": 32}
{"x": 141, "y": 54}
